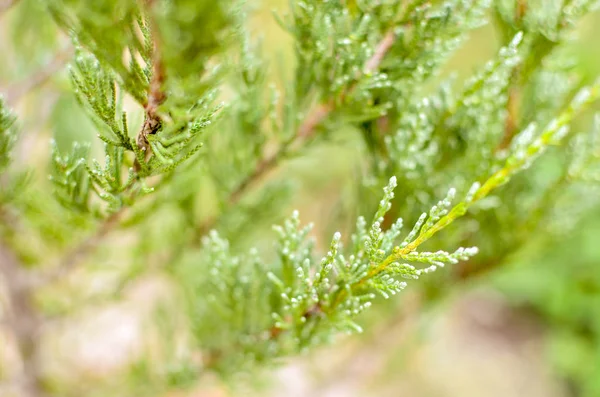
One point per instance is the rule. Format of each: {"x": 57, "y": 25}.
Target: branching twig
{"x": 151, "y": 125}
{"x": 305, "y": 131}
{"x": 380, "y": 51}
{"x": 156, "y": 95}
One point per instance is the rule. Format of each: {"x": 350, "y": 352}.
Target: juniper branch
{"x": 151, "y": 97}
{"x": 156, "y": 95}
{"x": 553, "y": 132}
{"x": 304, "y": 132}
{"x": 150, "y": 126}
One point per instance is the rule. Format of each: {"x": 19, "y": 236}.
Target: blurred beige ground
{"x": 473, "y": 346}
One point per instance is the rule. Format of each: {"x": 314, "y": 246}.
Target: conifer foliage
{"x": 186, "y": 112}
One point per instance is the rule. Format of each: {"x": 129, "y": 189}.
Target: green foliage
{"x": 71, "y": 178}
{"x": 247, "y": 116}
{"x": 7, "y": 135}
{"x": 12, "y": 183}
{"x": 310, "y": 300}
{"x": 95, "y": 89}
{"x": 101, "y": 77}
{"x": 190, "y": 32}
{"x": 303, "y": 300}
{"x": 366, "y": 72}
{"x": 567, "y": 296}
{"x": 89, "y": 21}
{"x": 338, "y": 47}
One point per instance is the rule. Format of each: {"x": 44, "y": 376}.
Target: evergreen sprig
{"x": 309, "y": 300}
{"x": 7, "y": 134}
{"x": 364, "y": 71}
{"x": 168, "y": 135}
{"x": 12, "y": 182}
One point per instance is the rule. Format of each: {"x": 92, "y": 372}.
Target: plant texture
{"x": 195, "y": 142}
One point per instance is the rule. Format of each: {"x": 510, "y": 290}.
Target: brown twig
{"x": 313, "y": 120}
{"x": 512, "y": 109}
{"x": 380, "y": 51}
{"x": 520, "y": 10}
{"x": 151, "y": 125}
{"x": 305, "y": 131}
{"x": 512, "y": 105}
{"x": 23, "y": 321}
{"x": 15, "y": 92}
{"x": 156, "y": 95}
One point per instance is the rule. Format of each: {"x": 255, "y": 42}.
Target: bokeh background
{"x": 529, "y": 328}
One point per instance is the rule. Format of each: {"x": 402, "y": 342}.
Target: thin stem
{"x": 151, "y": 125}
{"x": 305, "y": 132}
{"x": 512, "y": 114}
{"x": 512, "y": 104}
{"x": 380, "y": 52}
{"x": 156, "y": 95}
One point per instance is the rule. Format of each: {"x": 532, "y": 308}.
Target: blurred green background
{"x": 530, "y": 328}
